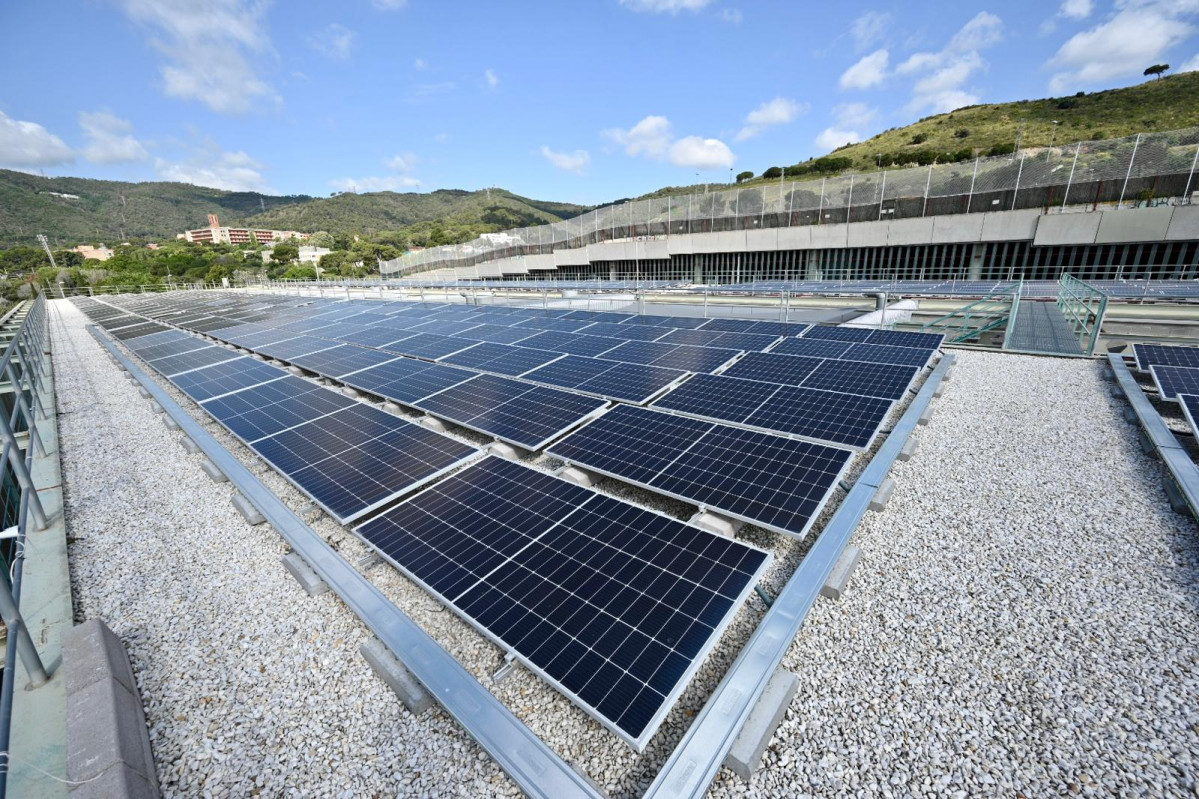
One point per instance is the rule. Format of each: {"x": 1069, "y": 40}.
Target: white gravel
{"x": 1026, "y": 617}
{"x": 1016, "y": 584}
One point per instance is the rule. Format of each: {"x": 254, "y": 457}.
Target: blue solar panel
{"x": 377, "y": 336}
{"x": 1174, "y": 380}
{"x": 511, "y": 410}
{"x": 812, "y": 347}
{"x": 620, "y": 381}
{"x": 888, "y": 381}
{"x": 293, "y": 347}
{"x": 615, "y": 605}
{"x": 623, "y": 331}
{"x": 572, "y": 343}
{"x": 428, "y": 345}
{"x": 270, "y": 408}
{"x": 342, "y": 360}
{"x": 771, "y": 368}
{"x": 500, "y": 334}
{"x": 504, "y": 359}
{"x": 223, "y": 378}
{"x": 840, "y": 333}
{"x": 357, "y": 459}
{"x": 882, "y": 353}
{"x": 175, "y": 347}
{"x": 155, "y": 339}
{"x": 195, "y": 359}
{"x": 823, "y": 415}
{"x": 904, "y": 338}
{"x": 550, "y": 323}
{"x": 1150, "y": 354}
{"x": 406, "y": 380}
{"x": 779, "y": 483}
{"x": 677, "y": 322}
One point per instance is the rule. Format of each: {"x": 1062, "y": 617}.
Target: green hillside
{"x": 111, "y": 211}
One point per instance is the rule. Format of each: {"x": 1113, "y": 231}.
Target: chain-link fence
{"x": 1141, "y": 169}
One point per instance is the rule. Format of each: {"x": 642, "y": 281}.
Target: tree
{"x": 744, "y": 176}
{"x": 216, "y": 272}
{"x": 773, "y": 172}
{"x": 285, "y": 252}
{"x": 321, "y": 239}
{"x": 1156, "y": 70}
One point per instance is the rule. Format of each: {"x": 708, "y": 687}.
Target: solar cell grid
{"x": 155, "y": 339}
{"x": 342, "y": 360}
{"x": 812, "y": 347}
{"x": 572, "y": 343}
{"x": 1190, "y": 410}
{"x": 888, "y": 381}
{"x": 500, "y": 334}
{"x": 291, "y": 348}
{"x": 405, "y": 380}
{"x": 1174, "y": 380}
{"x": 136, "y": 331}
{"x": 504, "y": 359}
{"x": 429, "y": 345}
{"x": 175, "y": 347}
{"x": 195, "y": 359}
{"x": 883, "y": 353}
{"x": 772, "y": 368}
{"x": 625, "y": 331}
{"x": 839, "y": 333}
{"x": 1149, "y": 354}
{"x": 270, "y": 408}
{"x": 223, "y": 378}
{"x": 904, "y": 338}
{"x": 614, "y": 605}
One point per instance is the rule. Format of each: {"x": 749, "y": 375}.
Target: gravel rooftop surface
{"x": 1025, "y": 618}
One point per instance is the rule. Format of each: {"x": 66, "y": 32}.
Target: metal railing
{"x": 996, "y": 309}
{"x": 1135, "y": 170}
{"x": 1083, "y": 305}
{"x": 23, "y": 372}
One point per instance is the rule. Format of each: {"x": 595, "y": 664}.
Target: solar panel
{"x": 176, "y": 347}
{"x": 428, "y": 345}
{"x": 733, "y": 325}
{"x": 572, "y": 343}
{"x": 823, "y": 415}
{"x": 750, "y": 342}
{"x": 1150, "y": 354}
{"x": 377, "y": 336}
{"x": 779, "y": 328}
{"x": 137, "y": 331}
{"x": 904, "y": 338}
{"x": 839, "y": 333}
{"x": 1174, "y": 380}
{"x": 776, "y": 482}
{"x": 888, "y": 381}
{"x": 195, "y": 359}
{"x": 223, "y": 378}
{"x": 405, "y": 380}
{"x": 883, "y": 353}
{"x": 678, "y": 322}
{"x": 270, "y": 408}
{"x": 550, "y": 323}
{"x": 500, "y": 334}
{"x": 342, "y": 360}
{"x": 154, "y": 339}
{"x": 623, "y": 331}
{"x": 291, "y": 348}
{"x": 771, "y": 368}
{"x": 599, "y": 316}
{"x": 504, "y": 359}
{"x": 698, "y": 338}
{"x": 1190, "y": 409}
{"x": 812, "y": 347}
{"x": 629, "y": 382}
{"x": 513, "y": 411}
{"x": 360, "y": 458}
{"x": 614, "y": 605}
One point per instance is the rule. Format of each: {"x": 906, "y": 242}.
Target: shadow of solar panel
{"x": 405, "y": 380}
{"x": 513, "y": 411}
{"x": 1174, "y": 380}
{"x": 572, "y": 343}
{"x": 614, "y": 605}
{"x": 429, "y": 345}
{"x": 267, "y": 409}
{"x": 779, "y": 483}
{"x": 839, "y": 333}
{"x": 223, "y": 378}
{"x": 882, "y": 353}
{"x": 1150, "y": 354}
{"x": 812, "y": 347}
{"x": 194, "y": 359}
{"x": 359, "y": 458}
{"x": 342, "y": 360}
{"x": 904, "y": 338}
{"x": 885, "y": 380}
{"x": 504, "y": 359}
{"x": 785, "y": 370}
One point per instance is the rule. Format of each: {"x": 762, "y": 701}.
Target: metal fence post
{"x": 1131, "y": 160}
{"x": 849, "y": 205}
{"x": 882, "y": 194}
{"x": 970, "y": 196}
{"x": 1070, "y": 179}
{"x": 820, "y": 211}
{"x": 1187, "y": 192}
{"x": 16, "y": 627}
{"x": 927, "y": 185}
{"x": 1019, "y": 172}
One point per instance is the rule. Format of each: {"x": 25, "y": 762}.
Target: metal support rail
{"x": 1182, "y": 468}
{"x": 532, "y": 765}
{"x": 698, "y": 757}
{"x": 24, "y": 368}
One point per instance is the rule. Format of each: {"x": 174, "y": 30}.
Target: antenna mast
{"x": 42, "y": 240}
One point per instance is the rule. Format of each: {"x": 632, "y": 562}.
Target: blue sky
{"x": 579, "y": 101}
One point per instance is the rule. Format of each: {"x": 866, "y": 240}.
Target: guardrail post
{"x": 38, "y": 676}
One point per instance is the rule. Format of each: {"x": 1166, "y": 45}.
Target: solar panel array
{"x": 613, "y": 604}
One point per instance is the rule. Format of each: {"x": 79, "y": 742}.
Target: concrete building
{"x": 216, "y": 234}
{"x": 101, "y": 253}
{"x": 312, "y": 255}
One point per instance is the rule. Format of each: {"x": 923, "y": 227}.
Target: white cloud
{"x": 492, "y": 79}
{"x": 375, "y": 183}
{"x": 665, "y": 6}
{"x": 1139, "y": 34}
{"x": 404, "y": 162}
{"x": 869, "y": 29}
{"x": 846, "y": 118}
{"x": 28, "y": 144}
{"x": 207, "y": 48}
{"x": 1192, "y": 65}
{"x": 389, "y": 5}
{"x": 569, "y": 162}
{"x": 110, "y": 139}
{"x": 732, "y": 16}
{"x": 334, "y": 41}
{"x": 945, "y": 73}
{"x": 1076, "y": 9}
{"x": 870, "y": 71}
{"x": 651, "y": 136}
{"x": 210, "y": 166}
{"x": 778, "y": 111}
{"x": 700, "y": 153}
{"x": 420, "y": 65}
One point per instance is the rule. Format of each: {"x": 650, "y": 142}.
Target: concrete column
{"x": 975, "y": 270}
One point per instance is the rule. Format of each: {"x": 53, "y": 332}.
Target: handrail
{"x": 990, "y": 307}
{"x": 695, "y": 761}
{"x": 1074, "y": 300}
{"x": 24, "y": 367}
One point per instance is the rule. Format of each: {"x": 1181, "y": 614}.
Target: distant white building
{"x": 312, "y": 255}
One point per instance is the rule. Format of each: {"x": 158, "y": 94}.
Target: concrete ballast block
{"x": 309, "y": 580}
{"x": 882, "y": 496}
{"x": 353, "y": 393}
{"x": 170, "y": 423}
{"x": 433, "y": 423}
{"x": 908, "y": 450}
{"x": 716, "y": 523}
{"x": 295, "y": 370}
{"x": 577, "y": 476}
{"x": 145, "y": 392}
{"x": 396, "y": 675}
{"x": 925, "y": 417}
{"x": 154, "y": 406}
{"x": 391, "y": 407}
{"x": 838, "y": 579}
{"x": 751, "y": 743}
{"x": 189, "y": 446}
{"x": 247, "y": 509}
{"x": 216, "y": 475}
